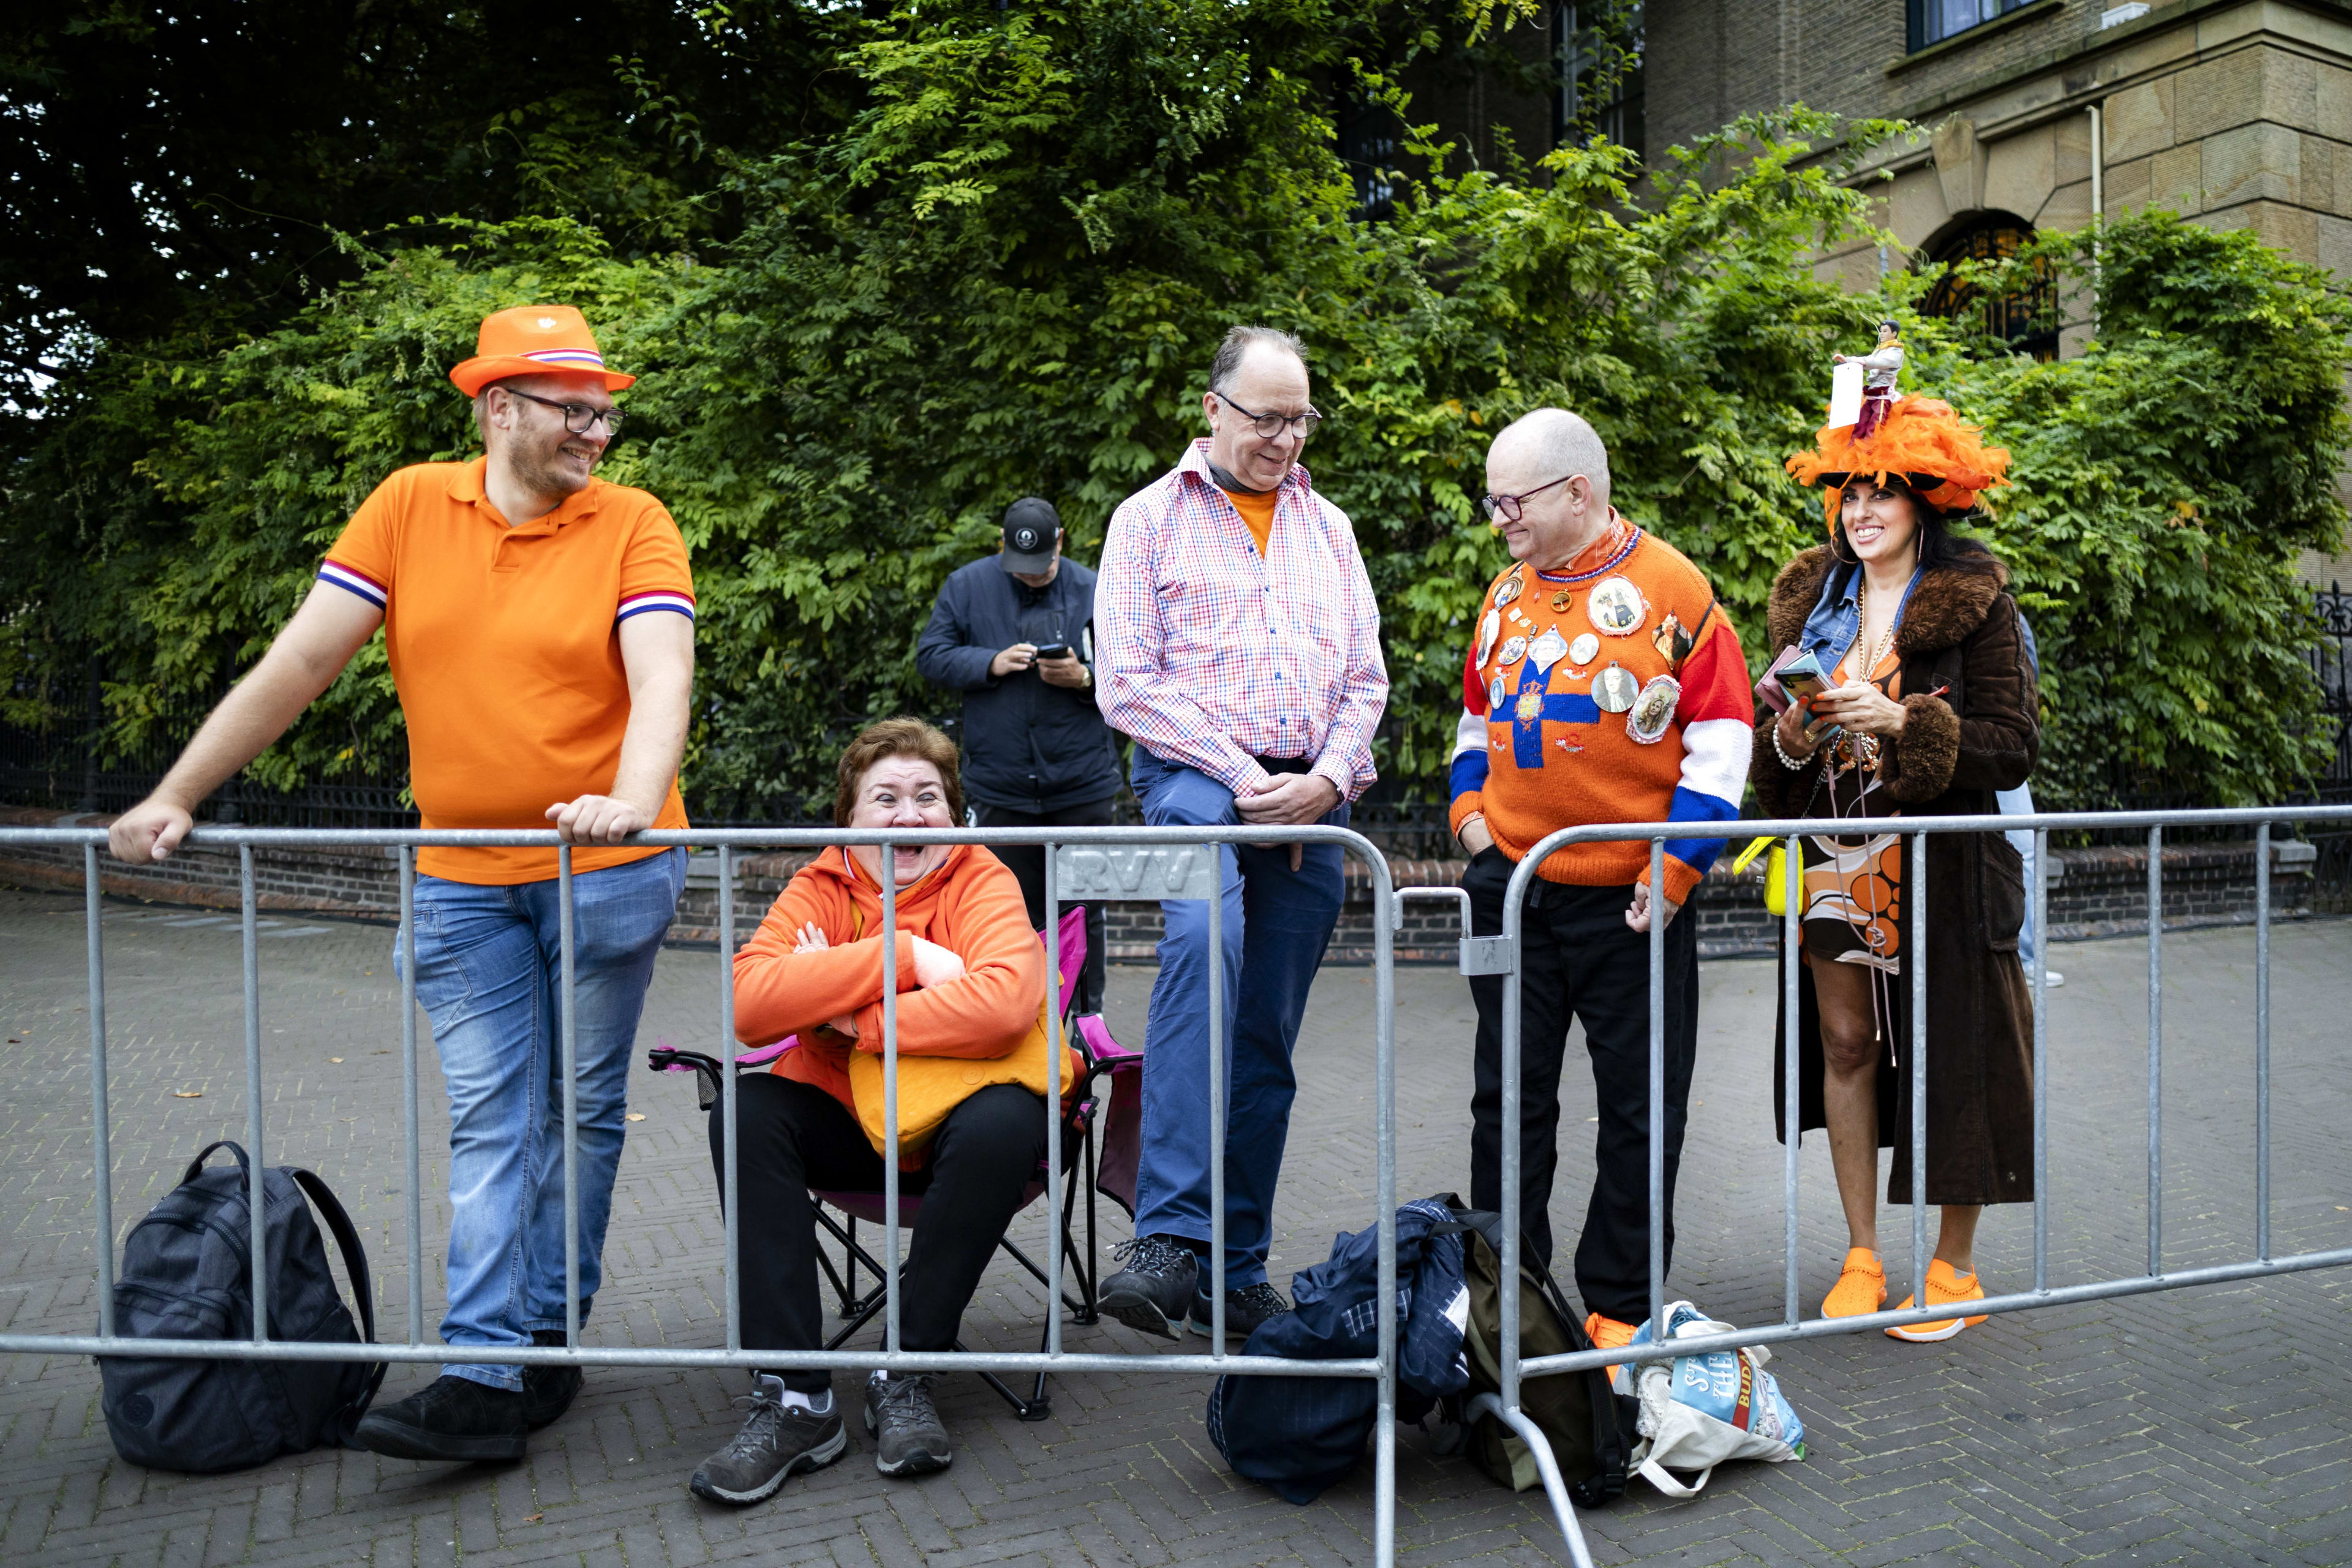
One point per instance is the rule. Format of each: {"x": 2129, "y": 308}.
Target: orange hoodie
{"x": 955, "y": 1040}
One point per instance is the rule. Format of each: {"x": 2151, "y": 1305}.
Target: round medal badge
{"x": 1511, "y": 590}
{"x": 1614, "y": 689}
{"x": 1561, "y": 600}
{"x": 1615, "y": 608}
{"x": 1512, "y": 649}
{"x": 1495, "y": 695}
{"x": 1654, "y": 710}
{"x": 1489, "y": 629}
{"x": 1581, "y": 651}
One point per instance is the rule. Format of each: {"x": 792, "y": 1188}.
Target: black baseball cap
{"x": 1030, "y": 527}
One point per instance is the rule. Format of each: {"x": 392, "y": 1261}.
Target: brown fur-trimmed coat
{"x": 1960, "y": 631}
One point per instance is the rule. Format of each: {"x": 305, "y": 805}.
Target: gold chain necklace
{"x": 1862, "y": 751}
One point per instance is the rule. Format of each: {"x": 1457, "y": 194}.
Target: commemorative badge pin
{"x": 1489, "y": 629}
{"x": 1582, "y": 650}
{"x": 1616, "y": 608}
{"x": 1673, "y": 643}
{"x": 1545, "y": 650}
{"x": 1614, "y": 689}
{"x": 1512, "y": 649}
{"x": 1511, "y": 590}
{"x": 1561, "y": 601}
{"x": 1495, "y": 695}
{"x": 1653, "y": 709}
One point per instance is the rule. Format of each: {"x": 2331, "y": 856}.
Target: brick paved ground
{"x": 2212, "y": 1425}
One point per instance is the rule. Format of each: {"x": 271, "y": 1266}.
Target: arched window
{"x": 2027, "y": 318}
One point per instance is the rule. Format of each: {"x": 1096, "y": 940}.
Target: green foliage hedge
{"x": 1007, "y": 276}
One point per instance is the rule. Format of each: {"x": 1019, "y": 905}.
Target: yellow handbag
{"x": 1780, "y": 882}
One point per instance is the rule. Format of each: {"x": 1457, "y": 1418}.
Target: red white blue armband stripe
{"x": 360, "y": 582}
{"x": 662, "y": 599}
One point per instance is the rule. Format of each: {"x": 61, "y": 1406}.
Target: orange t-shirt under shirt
{"x": 1257, "y": 514}
{"x": 505, "y": 646}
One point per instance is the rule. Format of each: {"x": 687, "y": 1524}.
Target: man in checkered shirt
{"x": 1238, "y": 644}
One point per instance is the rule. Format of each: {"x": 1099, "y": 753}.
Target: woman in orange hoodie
{"x": 972, "y": 1045}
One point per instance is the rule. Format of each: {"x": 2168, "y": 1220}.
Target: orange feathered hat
{"x": 1920, "y": 443}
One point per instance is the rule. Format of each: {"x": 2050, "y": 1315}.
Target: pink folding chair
{"x": 1101, "y": 1056}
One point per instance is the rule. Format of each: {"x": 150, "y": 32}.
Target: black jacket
{"x": 1028, "y": 745}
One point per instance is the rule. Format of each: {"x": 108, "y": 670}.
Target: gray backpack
{"x": 186, "y": 1275}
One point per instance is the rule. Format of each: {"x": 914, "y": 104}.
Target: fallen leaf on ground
{"x": 636, "y": 1116}
{"x": 334, "y": 1058}
{"x": 533, "y": 1519}
{"x": 187, "y": 1094}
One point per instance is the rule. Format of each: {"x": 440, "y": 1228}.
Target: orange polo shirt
{"x": 504, "y": 644}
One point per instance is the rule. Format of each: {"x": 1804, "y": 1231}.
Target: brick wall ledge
{"x": 2099, "y": 892}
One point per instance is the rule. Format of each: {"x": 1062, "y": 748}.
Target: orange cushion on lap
{"x": 506, "y": 649}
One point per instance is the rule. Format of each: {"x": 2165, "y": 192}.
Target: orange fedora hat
{"x": 534, "y": 340}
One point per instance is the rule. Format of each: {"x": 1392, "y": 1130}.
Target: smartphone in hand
{"x": 1054, "y": 650}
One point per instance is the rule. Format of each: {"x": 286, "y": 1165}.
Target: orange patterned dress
{"x": 1854, "y": 882}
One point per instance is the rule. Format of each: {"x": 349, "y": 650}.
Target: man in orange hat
{"x": 539, "y": 625}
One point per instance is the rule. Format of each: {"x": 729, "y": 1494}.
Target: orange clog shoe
{"x": 1861, "y": 1287}
{"x": 1608, "y": 1334}
{"x": 1945, "y": 1288}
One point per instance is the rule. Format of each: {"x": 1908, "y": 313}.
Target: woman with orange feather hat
{"x": 1930, "y": 708}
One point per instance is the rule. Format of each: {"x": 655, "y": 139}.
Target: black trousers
{"x": 796, "y": 1136}
{"x": 1579, "y": 959}
{"x": 1027, "y": 862}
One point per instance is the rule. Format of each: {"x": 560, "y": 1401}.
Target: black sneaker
{"x": 1152, "y": 1293}
{"x": 1245, "y": 1309}
{"x": 548, "y": 1391}
{"x": 909, "y": 1438}
{"x": 777, "y": 1440}
{"x": 451, "y": 1418}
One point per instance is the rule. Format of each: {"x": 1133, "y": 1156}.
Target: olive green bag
{"x": 1589, "y": 1426}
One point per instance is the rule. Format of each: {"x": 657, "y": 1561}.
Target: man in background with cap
{"x": 539, "y": 627}
{"x": 1015, "y": 633}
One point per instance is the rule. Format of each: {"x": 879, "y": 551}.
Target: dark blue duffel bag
{"x": 1301, "y": 1435}
{"x": 187, "y": 1275}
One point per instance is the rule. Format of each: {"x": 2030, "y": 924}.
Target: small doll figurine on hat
{"x": 1879, "y": 367}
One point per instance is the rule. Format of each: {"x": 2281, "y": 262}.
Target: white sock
{"x": 815, "y": 1404}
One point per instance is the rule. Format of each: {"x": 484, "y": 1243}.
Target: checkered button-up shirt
{"x": 1211, "y": 656}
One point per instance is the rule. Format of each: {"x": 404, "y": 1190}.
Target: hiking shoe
{"x": 1245, "y": 1309}
{"x": 1944, "y": 1288}
{"x": 1153, "y": 1294}
{"x": 548, "y": 1391}
{"x": 450, "y": 1419}
{"x": 1609, "y": 1334}
{"x": 1861, "y": 1287}
{"x": 777, "y": 1440}
{"x": 909, "y": 1438}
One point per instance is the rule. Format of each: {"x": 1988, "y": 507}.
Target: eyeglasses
{"x": 577, "y": 417}
{"x": 1506, "y": 508}
{"x": 1270, "y": 425}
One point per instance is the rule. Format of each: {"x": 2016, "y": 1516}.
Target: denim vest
{"x": 1829, "y": 632}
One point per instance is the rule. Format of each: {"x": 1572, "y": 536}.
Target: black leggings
{"x": 796, "y": 1136}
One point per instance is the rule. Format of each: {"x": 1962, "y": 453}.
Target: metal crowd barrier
{"x": 1501, "y": 955}
{"x": 1105, "y": 863}
{"x": 1112, "y": 863}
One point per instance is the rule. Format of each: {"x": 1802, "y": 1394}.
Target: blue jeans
{"x": 489, "y": 973}
{"x": 1277, "y": 922}
{"x": 2019, "y": 802}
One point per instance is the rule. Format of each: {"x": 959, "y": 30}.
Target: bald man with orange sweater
{"x": 1603, "y": 684}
